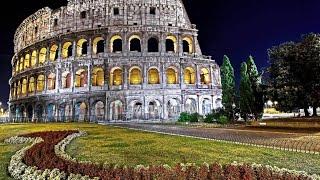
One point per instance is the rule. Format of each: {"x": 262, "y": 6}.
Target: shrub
{"x": 223, "y": 120}
{"x": 195, "y": 117}
{"x": 184, "y": 117}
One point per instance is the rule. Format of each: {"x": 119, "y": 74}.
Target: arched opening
{"x": 137, "y": 111}
{"x": 171, "y": 76}
{"x": 32, "y": 88}
{"x": 19, "y": 89}
{"x": 82, "y": 47}
{"x": 173, "y": 108}
{"x": 81, "y": 79}
{"x": 99, "y": 110}
{"x": 67, "y": 50}
{"x": 205, "y": 76}
{"x": 191, "y": 106}
{"x": 98, "y": 77}
{"x": 40, "y": 83}
{"x": 135, "y": 43}
{"x": 116, "y": 44}
{"x": 26, "y": 63}
{"x": 189, "y": 76}
{"x": 154, "y": 110}
{"x": 21, "y": 63}
{"x": 116, "y": 77}
{"x": 171, "y": 44}
{"x": 51, "y": 81}
{"x": 81, "y": 111}
{"x": 53, "y": 53}
{"x": 39, "y": 112}
{"x": 34, "y": 59}
{"x": 153, "y": 76}
{"x": 30, "y": 113}
{"x": 187, "y": 45}
{"x": 24, "y": 86}
{"x": 135, "y": 76}
{"x": 206, "y": 107}
{"x": 62, "y": 113}
{"x": 51, "y": 109}
{"x": 116, "y": 110}
{"x": 66, "y": 80}
{"x": 153, "y": 45}
{"x": 98, "y": 45}
{"x": 42, "y": 56}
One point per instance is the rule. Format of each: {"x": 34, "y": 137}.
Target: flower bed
{"x": 46, "y": 159}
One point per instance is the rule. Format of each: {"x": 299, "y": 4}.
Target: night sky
{"x": 237, "y": 28}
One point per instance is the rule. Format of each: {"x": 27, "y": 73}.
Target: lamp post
{"x": 233, "y": 110}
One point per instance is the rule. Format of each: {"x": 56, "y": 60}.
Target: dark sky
{"x": 238, "y": 28}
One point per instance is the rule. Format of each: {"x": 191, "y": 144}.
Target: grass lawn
{"x": 127, "y": 147}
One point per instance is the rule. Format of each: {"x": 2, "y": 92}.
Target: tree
{"x": 256, "y": 88}
{"x": 245, "y": 92}
{"x": 228, "y": 86}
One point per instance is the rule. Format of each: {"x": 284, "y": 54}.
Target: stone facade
{"x": 111, "y": 60}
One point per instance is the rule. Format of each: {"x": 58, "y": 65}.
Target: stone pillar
{"x": 145, "y": 76}
{"x": 89, "y": 71}
{"x": 164, "y": 77}
{"x": 125, "y": 77}
{"x": 89, "y": 53}
{"x": 198, "y": 77}
{"x": 74, "y": 50}
{"x": 60, "y": 52}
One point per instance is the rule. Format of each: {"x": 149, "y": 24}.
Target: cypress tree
{"x": 228, "y": 86}
{"x": 245, "y": 92}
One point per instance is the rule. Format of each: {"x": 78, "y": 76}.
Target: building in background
{"x": 111, "y": 60}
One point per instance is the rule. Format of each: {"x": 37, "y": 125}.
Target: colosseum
{"x": 111, "y": 60}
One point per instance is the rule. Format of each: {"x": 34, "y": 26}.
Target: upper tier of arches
{"x": 97, "y": 46}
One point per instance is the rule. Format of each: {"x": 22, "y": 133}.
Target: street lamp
{"x": 233, "y": 109}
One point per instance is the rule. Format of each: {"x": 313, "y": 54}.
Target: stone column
{"x": 89, "y": 53}
{"x": 74, "y": 50}
{"x": 125, "y": 77}
{"x": 89, "y": 71}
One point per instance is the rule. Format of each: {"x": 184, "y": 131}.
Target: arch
{"x": 135, "y": 76}
{"x": 206, "y": 106}
{"x": 53, "y": 53}
{"x": 51, "y": 109}
{"x": 98, "y": 45}
{"x": 29, "y": 113}
{"x": 82, "y": 47}
{"x": 99, "y": 110}
{"x": 116, "y": 77}
{"x": 24, "y": 86}
{"x": 205, "y": 76}
{"x": 51, "y": 81}
{"x": 81, "y": 79}
{"x": 135, "y": 43}
{"x": 153, "y": 76}
{"x": 66, "y": 80}
{"x": 34, "y": 58}
{"x": 19, "y": 89}
{"x": 154, "y": 109}
{"x": 136, "y": 110}
{"x": 116, "y": 44}
{"x": 171, "y": 44}
{"x": 189, "y": 76}
{"x": 153, "y": 45}
{"x": 67, "y": 50}
{"x": 191, "y": 106}
{"x": 116, "y": 110}
{"x": 187, "y": 45}
{"x": 40, "y": 83}
{"x": 172, "y": 76}
{"x": 81, "y": 111}
{"x": 98, "y": 77}
{"x": 39, "y": 112}
{"x": 32, "y": 86}
{"x": 173, "y": 108}
{"x": 21, "y": 64}
{"x": 42, "y": 55}
{"x": 26, "y": 63}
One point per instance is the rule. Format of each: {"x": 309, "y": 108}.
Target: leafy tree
{"x": 256, "y": 88}
{"x": 228, "y": 86}
{"x": 245, "y": 92}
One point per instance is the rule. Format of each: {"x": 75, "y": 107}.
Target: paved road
{"x": 286, "y": 140}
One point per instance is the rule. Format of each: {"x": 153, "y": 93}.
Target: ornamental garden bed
{"x": 42, "y": 155}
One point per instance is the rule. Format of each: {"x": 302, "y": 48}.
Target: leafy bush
{"x": 184, "y": 117}
{"x": 223, "y": 120}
